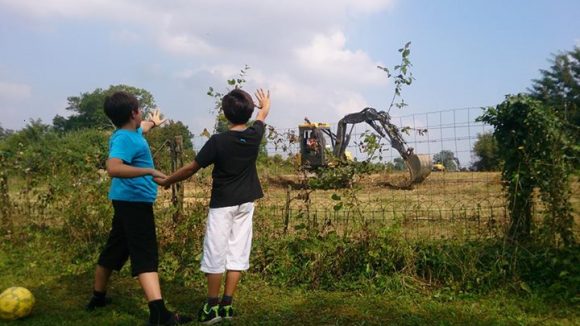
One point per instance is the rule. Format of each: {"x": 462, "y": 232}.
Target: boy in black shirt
{"x": 235, "y": 186}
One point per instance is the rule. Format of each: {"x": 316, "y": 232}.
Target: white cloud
{"x": 349, "y": 103}
{"x": 14, "y": 91}
{"x": 298, "y": 50}
{"x": 328, "y": 55}
{"x": 184, "y": 44}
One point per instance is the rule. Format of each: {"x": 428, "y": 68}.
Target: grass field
{"x": 54, "y": 246}
{"x": 62, "y": 287}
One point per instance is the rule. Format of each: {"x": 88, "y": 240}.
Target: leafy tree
{"x": 5, "y": 132}
{"x": 486, "y": 149}
{"x": 38, "y": 150}
{"x": 559, "y": 89}
{"x": 159, "y": 138}
{"x": 34, "y": 132}
{"x": 448, "y": 159}
{"x": 87, "y": 109}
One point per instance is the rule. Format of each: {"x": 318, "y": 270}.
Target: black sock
{"x": 99, "y": 295}
{"x": 98, "y": 300}
{"x": 157, "y": 312}
{"x": 212, "y": 301}
{"x": 226, "y": 300}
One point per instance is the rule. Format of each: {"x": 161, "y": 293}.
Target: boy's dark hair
{"x": 119, "y": 107}
{"x": 238, "y": 106}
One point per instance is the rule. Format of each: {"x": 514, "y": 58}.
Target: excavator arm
{"x": 419, "y": 166}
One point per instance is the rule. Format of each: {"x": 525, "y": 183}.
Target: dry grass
{"x": 446, "y": 203}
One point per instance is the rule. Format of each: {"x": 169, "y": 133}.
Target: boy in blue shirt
{"x": 132, "y": 192}
{"x": 235, "y": 187}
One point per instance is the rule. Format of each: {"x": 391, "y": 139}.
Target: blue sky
{"x": 318, "y": 58}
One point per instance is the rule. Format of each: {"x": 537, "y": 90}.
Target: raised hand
{"x": 263, "y": 104}
{"x": 263, "y": 99}
{"x": 155, "y": 117}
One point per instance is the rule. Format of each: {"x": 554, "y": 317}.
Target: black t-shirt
{"x": 233, "y": 154}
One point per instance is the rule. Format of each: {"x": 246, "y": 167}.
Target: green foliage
{"x": 559, "y": 89}
{"x": 221, "y": 123}
{"x": 534, "y": 150}
{"x": 403, "y": 76}
{"x": 486, "y": 150}
{"x": 37, "y": 151}
{"x": 70, "y": 213}
{"x": 87, "y": 109}
{"x": 384, "y": 261}
{"x": 4, "y": 132}
{"x": 448, "y": 159}
{"x": 64, "y": 279}
{"x": 160, "y": 140}
{"x": 157, "y": 136}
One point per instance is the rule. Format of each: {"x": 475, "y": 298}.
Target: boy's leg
{"x": 139, "y": 226}
{"x": 209, "y": 312}
{"x": 102, "y": 275}
{"x": 214, "y": 282}
{"x": 112, "y": 257}
{"x": 232, "y": 279}
{"x": 99, "y": 298}
{"x": 150, "y": 284}
{"x": 219, "y": 222}
{"x": 238, "y": 257}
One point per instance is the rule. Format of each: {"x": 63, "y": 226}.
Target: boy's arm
{"x": 263, "y": 104}
{"x": 117, "y": 169}
{"x": 179, "y": 175}
{"x": 153, "y": 120}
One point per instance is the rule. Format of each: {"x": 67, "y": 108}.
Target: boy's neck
{"x": 238, "y": 127}
{"x": 131, "y": 126}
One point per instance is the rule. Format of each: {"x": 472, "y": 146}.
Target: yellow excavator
{"x": 313, "y": 143}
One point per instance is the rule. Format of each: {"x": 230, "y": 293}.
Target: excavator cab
{"x": 313, "y": 144}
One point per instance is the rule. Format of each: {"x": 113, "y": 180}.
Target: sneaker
{"x": 226, "y": 312}
{"x": 97, "y": 302}
{"x": 209, "y": 315}
{"x": 175, "y": 319}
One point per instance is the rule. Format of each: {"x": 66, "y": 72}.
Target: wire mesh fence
{"x": 457, "y": 202}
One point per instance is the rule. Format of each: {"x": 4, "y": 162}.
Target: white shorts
{"x": 228, "y": 239}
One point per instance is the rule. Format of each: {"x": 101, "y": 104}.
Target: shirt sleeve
{"x": 207, "y": 154}
{"x": 258, "y": 127}
{"x": 121, "y": 148}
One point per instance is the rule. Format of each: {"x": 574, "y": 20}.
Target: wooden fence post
{"x": 5, "y": 207}
{"x": 287, "y": 210}
{"x": 177, "y": 191}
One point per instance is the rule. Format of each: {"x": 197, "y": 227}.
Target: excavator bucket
{"x": 419, "y": 166}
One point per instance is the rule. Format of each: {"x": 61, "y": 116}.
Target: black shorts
{"x": 132, "y": 235}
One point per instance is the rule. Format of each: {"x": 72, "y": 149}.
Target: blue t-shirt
{"x": 132, "y": 148}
